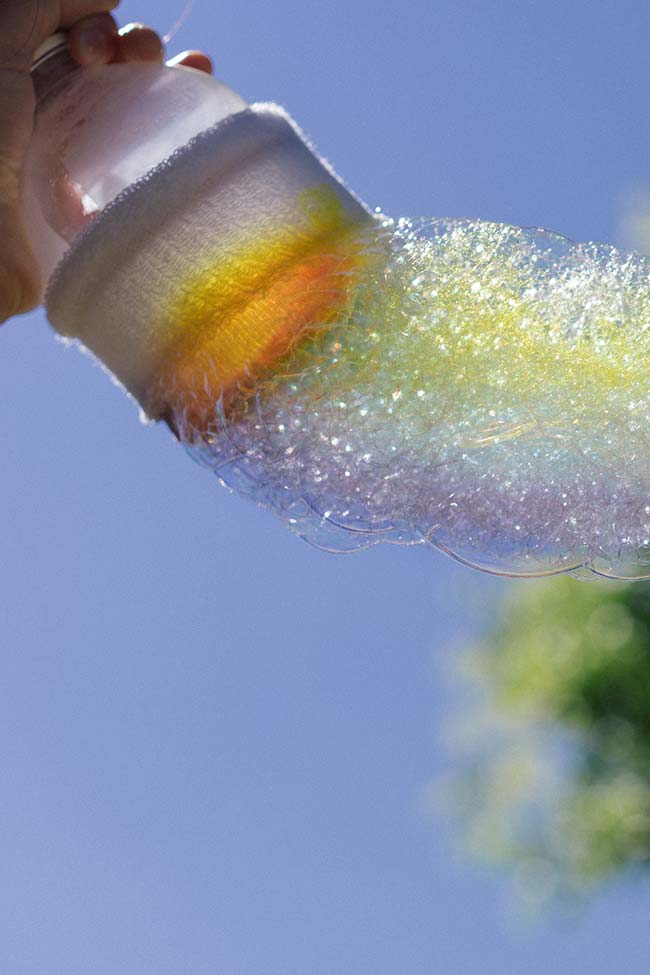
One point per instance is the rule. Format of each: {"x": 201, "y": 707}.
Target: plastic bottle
{"x": 141, "y": 179}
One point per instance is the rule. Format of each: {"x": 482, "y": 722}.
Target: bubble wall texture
{"x": 482, "y": 389}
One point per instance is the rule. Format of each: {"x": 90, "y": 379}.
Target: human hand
{"x": 93, "y": 38}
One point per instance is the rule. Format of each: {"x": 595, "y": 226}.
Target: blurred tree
{"x": 556, "y": 777}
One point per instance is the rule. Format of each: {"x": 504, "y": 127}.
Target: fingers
{"x": 93, "y": 40}
{"x": 139, "y": 43}
{"x": 96, "y": 40}
{"x": 136, "y": 42}
{"x": 25, "y": 24}
{"x": 192, "y": 59}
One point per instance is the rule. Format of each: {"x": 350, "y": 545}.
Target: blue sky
{"x": 215, "y": 740}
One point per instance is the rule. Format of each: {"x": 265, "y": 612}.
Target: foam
{"x": 484, "y": 390}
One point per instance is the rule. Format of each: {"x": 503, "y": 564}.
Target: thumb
{"x": 20, "y": 285}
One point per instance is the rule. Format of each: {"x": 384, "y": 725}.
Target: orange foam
{"x": 242, "y": 315}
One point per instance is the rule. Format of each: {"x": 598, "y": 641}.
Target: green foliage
{"x": 556, "y": 780}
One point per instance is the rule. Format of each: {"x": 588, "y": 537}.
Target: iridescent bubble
{"x": 484, "y": 390}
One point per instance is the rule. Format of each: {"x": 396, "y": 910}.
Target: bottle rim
{"x": 51, "y": 46}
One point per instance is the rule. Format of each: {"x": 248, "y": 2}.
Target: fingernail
{"x": 19, "y": 291}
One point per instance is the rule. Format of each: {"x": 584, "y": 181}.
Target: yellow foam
{"x": 244, "y": 312}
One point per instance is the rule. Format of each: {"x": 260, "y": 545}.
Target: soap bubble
{"x": 482, "y": 389}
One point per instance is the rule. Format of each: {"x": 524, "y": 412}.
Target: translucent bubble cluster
{"x": 485, "y": 390}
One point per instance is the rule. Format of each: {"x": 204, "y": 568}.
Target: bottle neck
{"x": 51, "y": 67}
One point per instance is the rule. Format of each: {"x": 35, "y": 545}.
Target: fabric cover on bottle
{"x": 217, "y": 246}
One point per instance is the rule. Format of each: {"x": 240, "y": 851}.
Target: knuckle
{"x": 9, "y": 177}
{"x": 20, "y": 278}
{"x": 19, "y": 288}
